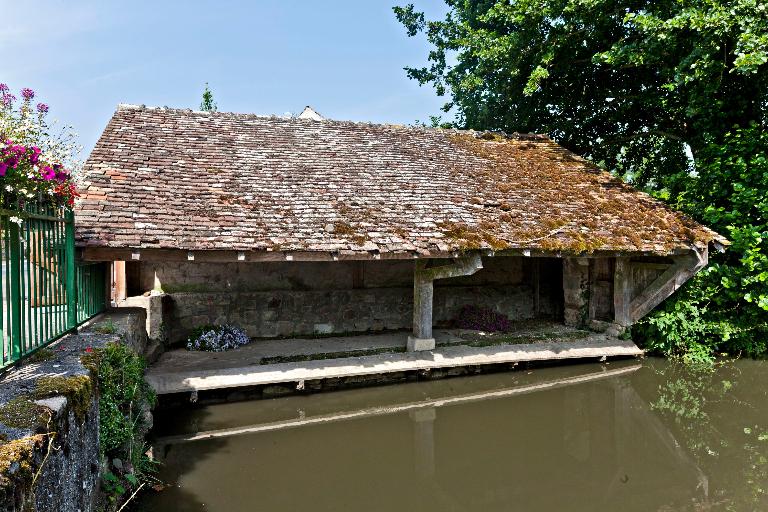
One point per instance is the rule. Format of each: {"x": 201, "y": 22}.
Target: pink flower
{"x": 3, "y": 88}
{"x": 48, "y": 173}
{"x": 7, "y": 99}
{"x": 3, "y": 168}
{"x": 27, "y": 93}
{"x": 42, "y": 108}
{"x": 35, "y": 156}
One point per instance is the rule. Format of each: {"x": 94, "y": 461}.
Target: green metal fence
{"x": 45, "y": 294}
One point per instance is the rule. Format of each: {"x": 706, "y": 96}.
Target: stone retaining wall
{"x": 274, "y": 299}
{"x": 49, "y": 420}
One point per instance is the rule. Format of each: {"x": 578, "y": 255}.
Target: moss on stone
{"x": 39, "y": 356}
{"x": 90, "y": 360}
{"x": 17, "y": 465}
{"x": 107, "y": 327}
{"x": 23, "y": 413}
{"x": 78, "y": 389}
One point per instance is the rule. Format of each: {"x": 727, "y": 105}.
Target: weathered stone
{"x": 287, "y": 299}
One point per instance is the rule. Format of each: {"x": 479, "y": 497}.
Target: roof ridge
{"x": 480, "y": 134}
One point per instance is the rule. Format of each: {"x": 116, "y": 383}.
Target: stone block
{"x": 418, "y": 344}
{"x": 322, "y": 328}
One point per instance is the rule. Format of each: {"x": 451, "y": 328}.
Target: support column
{"x": 423, "y": 291}
{"x": 576, "y": 292}
{"x": 120, "y": 292}
{"x": 622, "y": 295}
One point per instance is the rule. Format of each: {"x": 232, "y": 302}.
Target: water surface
{"x": 650, "y": 436}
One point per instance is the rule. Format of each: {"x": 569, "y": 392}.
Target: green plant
{"x": 208, "y": 105}
{"x": 724, "y": 308}
{"x": 107, "y": 327}
{"x": 124, "y": 398}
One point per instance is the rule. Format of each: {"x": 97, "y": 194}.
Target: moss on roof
{"x": 165, "y": 178}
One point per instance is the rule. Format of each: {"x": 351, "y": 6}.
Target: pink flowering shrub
{"x": 29, "y": 173}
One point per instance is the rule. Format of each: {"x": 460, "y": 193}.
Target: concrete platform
{"x": 184, "y": 371}
{"x": 394, "y": 403}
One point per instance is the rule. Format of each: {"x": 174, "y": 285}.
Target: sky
{"x": 345, "y": 58}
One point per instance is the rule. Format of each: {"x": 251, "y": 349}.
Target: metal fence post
{"x": 70, "y": 259}
{"x": 14, "y": 301}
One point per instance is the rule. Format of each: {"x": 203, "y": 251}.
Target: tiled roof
{"x": 165, "y": 178}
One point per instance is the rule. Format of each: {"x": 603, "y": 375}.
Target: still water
{"x": 629, "y": 436}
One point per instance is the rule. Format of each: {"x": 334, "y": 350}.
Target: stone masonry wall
{"x": 302, "y": 298}
{"x": 576, "y": 291}
{"x": 53, "y": 465}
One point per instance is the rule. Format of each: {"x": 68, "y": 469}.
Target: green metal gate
{"x": 45, "y": 293}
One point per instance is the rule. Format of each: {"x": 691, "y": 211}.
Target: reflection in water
{"x": 625, "y": 436}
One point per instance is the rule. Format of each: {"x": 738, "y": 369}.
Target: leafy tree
{"x": 635, "y": 85}
{"x": 208, "y": 105}
{"x": 726, "y": 305}
{"x": 669, "y": 94}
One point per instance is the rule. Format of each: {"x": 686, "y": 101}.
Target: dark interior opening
{"x": 133, "y": 278}
{"x": 548, "y": 288}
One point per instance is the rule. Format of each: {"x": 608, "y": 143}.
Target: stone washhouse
{"x": 293, "y": 227}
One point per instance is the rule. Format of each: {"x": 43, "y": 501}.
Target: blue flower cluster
{"x": 217, "y": 338}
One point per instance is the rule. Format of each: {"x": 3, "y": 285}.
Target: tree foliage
{"x": 208, "y": 105}
{"x": 725, "y": 307}
{"x": 630, "y": 84}
{"x": 669, "y": 94}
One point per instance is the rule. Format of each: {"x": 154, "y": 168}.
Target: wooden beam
{"x": 683, "y": 268}
{"x": 100, "y": 253}
{"x": 622, "y": 292}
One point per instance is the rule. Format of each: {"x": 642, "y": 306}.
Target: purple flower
{"x": 48, "y": 173}
{"x": 8, "y": 99}
{"x": 3, "y": 168}
{"x": 3, "y": 88}
{"x": 27, "y": 93}
{"x": 42, "y": 108}
{"x": 35, "y": 156}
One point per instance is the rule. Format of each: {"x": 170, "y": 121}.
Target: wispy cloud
{"x": 52, "y": 21}
{"x": 111, "y": 75}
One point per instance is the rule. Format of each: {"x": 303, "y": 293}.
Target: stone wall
{"x": 301, "y": 298}
{"x": 49, "y": 421}
{"x": 576, "y": 291}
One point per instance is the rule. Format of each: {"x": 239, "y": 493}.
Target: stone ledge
{"x": 444, "y": 357}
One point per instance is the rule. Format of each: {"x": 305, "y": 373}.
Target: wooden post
{"x": 536, "y": 262}
{"x": 622, "y": 293}
{"x": 120, "y": 291}
{"x": 423, "y": 291}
